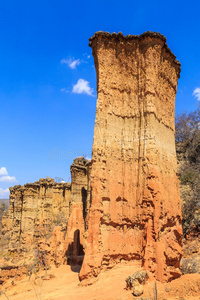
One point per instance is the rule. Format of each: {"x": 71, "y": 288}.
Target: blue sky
{"x": 48, "y": 79}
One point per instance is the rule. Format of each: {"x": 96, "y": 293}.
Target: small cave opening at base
{"x": 75, "y": 253}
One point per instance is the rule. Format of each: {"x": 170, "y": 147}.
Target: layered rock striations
{"x": 49, "y": 217}
{"x": 135, "y": 204}
{"x": 34, "y": 210}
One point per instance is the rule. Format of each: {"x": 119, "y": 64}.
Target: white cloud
{"x": 87, "y": 55}
{"x": 88, "y": 157}
{"x": 64, "y": 90}
{"x": 8, "y": 179}
{"x": 4, "y": 193}
{"x": 3, "y": 171}
{"x": 71, "y": 62}
{"x": 82, "y": 87}
{"x": 196, "y": 93}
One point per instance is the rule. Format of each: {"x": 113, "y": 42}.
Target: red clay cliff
{"x": 135, "y": 209}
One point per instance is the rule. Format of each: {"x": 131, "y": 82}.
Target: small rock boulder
{"x": 140, "y": 277}
{"x": 138, "y": 290}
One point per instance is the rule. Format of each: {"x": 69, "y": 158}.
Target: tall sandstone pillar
{"x": 135, "y": 204}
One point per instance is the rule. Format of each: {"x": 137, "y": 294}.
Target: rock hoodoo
{"x": 135, "y": 209}
{"x": 79, "y": 206}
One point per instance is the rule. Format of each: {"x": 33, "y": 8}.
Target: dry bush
{"x": 189, "y": 265}
{"x": 188, "y": 154}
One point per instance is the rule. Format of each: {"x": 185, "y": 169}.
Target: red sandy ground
{"x": 110, "y": 285}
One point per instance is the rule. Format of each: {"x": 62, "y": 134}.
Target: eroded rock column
{"x": 76, "y": 226}
{"x": 135, "y": 204}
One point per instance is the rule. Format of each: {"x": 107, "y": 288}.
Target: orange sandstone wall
{"x": 135, "y": 204}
